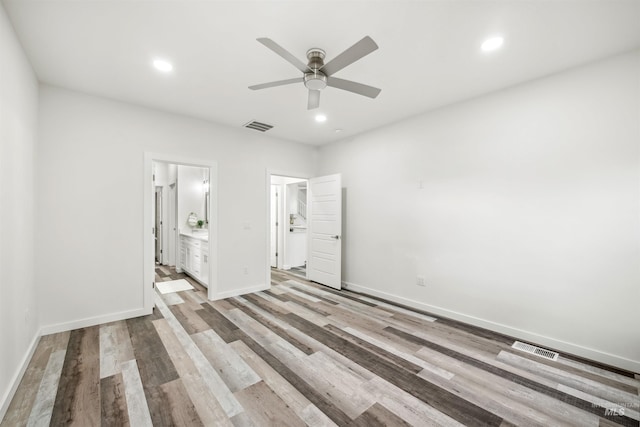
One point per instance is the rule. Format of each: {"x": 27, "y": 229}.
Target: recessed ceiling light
{"x": 492, "y": 43}
{"x": 162, "y": 65}
{"x": 321, "y": 118}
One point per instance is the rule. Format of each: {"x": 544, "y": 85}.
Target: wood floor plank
{"x": 378, "y": 416}
{"x": 192, "y": 300}
{"x": 42, "y": 408}
{"x": 265, "y": 408}
{"x": 109, "y": 364}
{"x": 408, "y": 407}
{"x": 190, "y": 321}
{"x": 78, "y": 397}
{"x": 113, "y": 402}
{"x": 223, "y": 327}
{"x": 182, "y": 411}
{"x": 234, "y": 371}
{"x": 137, "y": 407}
{"x": 154, "y": 363}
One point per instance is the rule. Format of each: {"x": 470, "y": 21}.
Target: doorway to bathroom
{"x": 288, "y": 224}
{"x": 180, "y": 213}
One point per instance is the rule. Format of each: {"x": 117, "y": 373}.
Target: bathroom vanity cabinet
{"x": 194, "y": 256}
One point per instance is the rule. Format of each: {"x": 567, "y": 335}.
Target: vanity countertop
{"x": 200, "y": 235}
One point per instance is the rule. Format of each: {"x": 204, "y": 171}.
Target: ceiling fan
{"x": 317, "y": 75}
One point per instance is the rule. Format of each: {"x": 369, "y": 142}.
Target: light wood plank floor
{"x": 302, "y": 354}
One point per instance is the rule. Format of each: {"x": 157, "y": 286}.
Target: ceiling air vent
{"x": 542, "y": 352}
{"x": 262, "y": 127}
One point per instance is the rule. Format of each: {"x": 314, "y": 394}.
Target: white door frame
{"x": 147, "y": 231}
{"x": 160, "y": 213}
{"x": 267, "y": 193}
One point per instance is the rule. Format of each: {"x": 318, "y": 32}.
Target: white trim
{"x": 148, "y": 273}
{"x": 92, "y": 321}
{"x": 576, "y": 349}
{"x": 17, "y": 377}
{"x": 243, "y": 291}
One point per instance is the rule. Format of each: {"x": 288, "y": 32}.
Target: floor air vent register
{"x": 531, "y": 349}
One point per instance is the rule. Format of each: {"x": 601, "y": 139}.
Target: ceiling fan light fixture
{"x": 315, "y": 81}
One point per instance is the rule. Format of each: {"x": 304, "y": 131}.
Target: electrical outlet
{"x": 245, "y": 270}
{"x": 420, "y": 281}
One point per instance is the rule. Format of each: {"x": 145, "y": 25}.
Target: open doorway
{"x": 288, "y": 224}
{"x": 180, "y": 211}
{"x": 311, "y": 211}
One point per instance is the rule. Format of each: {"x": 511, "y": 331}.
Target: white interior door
{"x": 325, "y": 230}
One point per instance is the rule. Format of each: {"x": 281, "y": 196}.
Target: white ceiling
{"x": 429, "y": 53}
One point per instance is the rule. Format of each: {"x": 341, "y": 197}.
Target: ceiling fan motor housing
{"x": 316, "y": 58}
{"x": 316, "y": 79}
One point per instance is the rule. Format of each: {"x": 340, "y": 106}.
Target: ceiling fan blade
{"x": 349, "y": 56}
{"x": 354, "y": 87}
{"x": 283, "y": 53}
{"x": 314, "y": 99}
{"x": 278, "y": 83}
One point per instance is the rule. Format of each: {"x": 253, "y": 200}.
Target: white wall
{"x": 18, "y": 132}
{"x": 90, "y": 229}
{"x": 520, "y": 209}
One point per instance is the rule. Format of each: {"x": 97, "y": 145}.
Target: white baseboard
{"x": 17, "y": 377}
{"x": 92, "y": 321}
{"x": 534, "y": 338}
{"x": 237, "y": 292}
